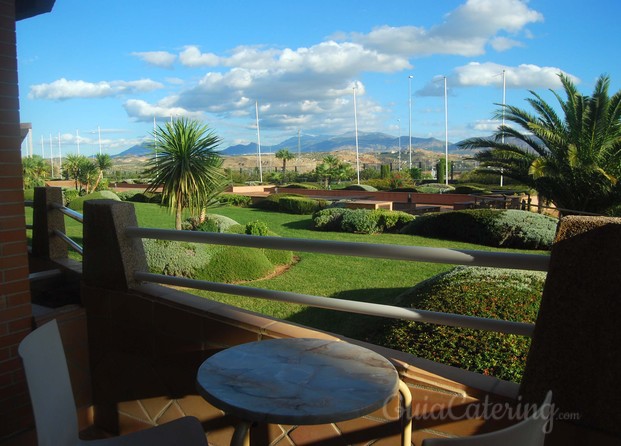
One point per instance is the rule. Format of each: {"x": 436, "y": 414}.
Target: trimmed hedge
{"x": 492, "y": 227}
{"x": 235, "y": 199}
{"x": 364, "y": 221}
{"x": 483, "y": 292}
{"x": 300, "y": 186}
{"x": 212, "y": 223}
{"x": 291, "y": 204}
{"x": 180, "y": 259}
{"x": 77, "y": 204}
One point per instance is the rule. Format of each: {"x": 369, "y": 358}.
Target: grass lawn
{"x": 364, "y": 279}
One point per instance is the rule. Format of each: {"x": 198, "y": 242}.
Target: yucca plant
{"x": 186, "y": 165}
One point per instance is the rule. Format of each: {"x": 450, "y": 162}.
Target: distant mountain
{"x": 377, "y": 142}
{"x": 138, "y": 150}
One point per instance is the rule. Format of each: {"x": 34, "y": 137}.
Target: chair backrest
{"x": 50, "y": 386}
{"x": 531, "y": 432}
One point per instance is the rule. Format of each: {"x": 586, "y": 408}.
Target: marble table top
{"x": 297, "y": 381}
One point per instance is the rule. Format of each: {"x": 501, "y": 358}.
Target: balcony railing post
{"x": 45, "y": 219}
{"x": 110, "y": 258}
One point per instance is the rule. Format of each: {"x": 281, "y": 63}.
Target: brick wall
{"x": 15, "y": 308}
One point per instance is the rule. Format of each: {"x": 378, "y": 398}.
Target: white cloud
{"x": 62, "y": 89}
{"x": 162, "y": 59}
{"x": 143, "y": 111}
{"x": 466, "y": 31}
{"x": 475, "y": 74}
{"x": 191, "y": 56}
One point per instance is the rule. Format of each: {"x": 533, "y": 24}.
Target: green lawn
{"x": 364, "y": 279}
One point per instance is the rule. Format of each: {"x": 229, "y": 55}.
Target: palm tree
{"x": 285, "y": 155}
{"x": 573, "y": 160}
{"x": 103, "y": 162}
{"x": 75, "y": 167}
{"x": 186, "y": 166}
{"x": 35, "y": 170}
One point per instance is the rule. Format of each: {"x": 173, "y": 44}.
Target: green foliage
{"x": 77, "y": 204}
{"x": 441, "y": 170}
{"x": 300, "y": 186}
{"x": 211, "y": 223}
{"x": 572, "y": 158}
{"x": 36, "y": 171}
{"x": 483, "y": 292}
{"x": 126, "y": 195}
{"x": 29, "y": 195}
{"x": 186, "y": 165}
{"x": 271, "y": 202}
{"x": 468, "y": 189}
{"x": 235, "y": 199}
{"x": 391, "y": 221}
{"x": 364, "y": 187}
{"x": 328, "y": 219}
{"x": 360, "y": 221}
{"x": 69, "y": 195}
{"x": 416, "y": 173}
{"x": 256, "y": 228}
{"x": 300, "y": 205}
{"x": 493, "y": 227}
{"x": 232, "y": 264}
{"x": 180, "y": 259}
{"x": 384, "y": 171}
{"x": 434, "y": 188}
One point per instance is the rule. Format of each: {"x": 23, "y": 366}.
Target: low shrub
{"x": 212, "y": 223}
{"x": 465, "y": 189}
{"x": 360, "y": 221}
{"x": 300, "y": 205}
{"x": 256, "y": 228}
{"x": 180, "y": 259}
{"x": 276, "y": 256}
{"x": 492, "y": 227}
{"x": 271, "y": 202}
{"x": 434, "y": 188}
{"x": 69, "y": 195}
{"x": 77, "y": 204}
{"x": 127, "y": 195}
{"x": 392, "y": 221}
{"x": 300, "y": 186}
{"x": 364, "y": 187}
{"x": 235, "y": 264}
{"x": 235, "y": 199}
{"x": 328, "y": 219}
{"x": 403, "y": 189}
{"x": 483, "y": 292}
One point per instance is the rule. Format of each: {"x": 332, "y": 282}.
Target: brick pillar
{"x": 15, "y": 307}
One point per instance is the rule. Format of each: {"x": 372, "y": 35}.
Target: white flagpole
{"x": 256, "y": 105}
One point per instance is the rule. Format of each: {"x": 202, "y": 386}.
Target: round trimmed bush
{"x": 361, "y": 221}
{"x": 212, "y": 223}
{"x": 300, "y": 205}
{"x": 77, "y": 204}
{"x": 235, "y": 264}
{"x": 180, "y": 259}
{"x": 392, "y": 221}
{"x": 492, "y": 227}
{"x": 484, "y": 292}
{"x": 328, "y": 219}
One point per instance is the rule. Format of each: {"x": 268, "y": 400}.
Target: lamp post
{"x": 504, "y": 97}
{"x": 446, "y": 161}
{"x": 410, "y": 108}
{"x": 399, "y": 123}
{"x": 356, "y": 133}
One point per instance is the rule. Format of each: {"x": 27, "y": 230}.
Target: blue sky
{"x": 107, "y": 68}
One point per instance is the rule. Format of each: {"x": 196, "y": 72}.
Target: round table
{"x": 298, "y": 381}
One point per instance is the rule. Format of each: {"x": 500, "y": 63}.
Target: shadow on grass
{"x": 353, "y": 325}
{"x": 301, "y": 224}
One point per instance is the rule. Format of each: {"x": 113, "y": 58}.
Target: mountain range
{"x": 367, "y": 142}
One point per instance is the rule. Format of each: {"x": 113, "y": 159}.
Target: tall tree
{"x": 35, "y": 171}
{"x": 284, "y": 155}
{"x": 186, "y": 166}
{"x": 573, "y": 159}
{"x": 78, "y": 168}
{"x": 103, "y": 162}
